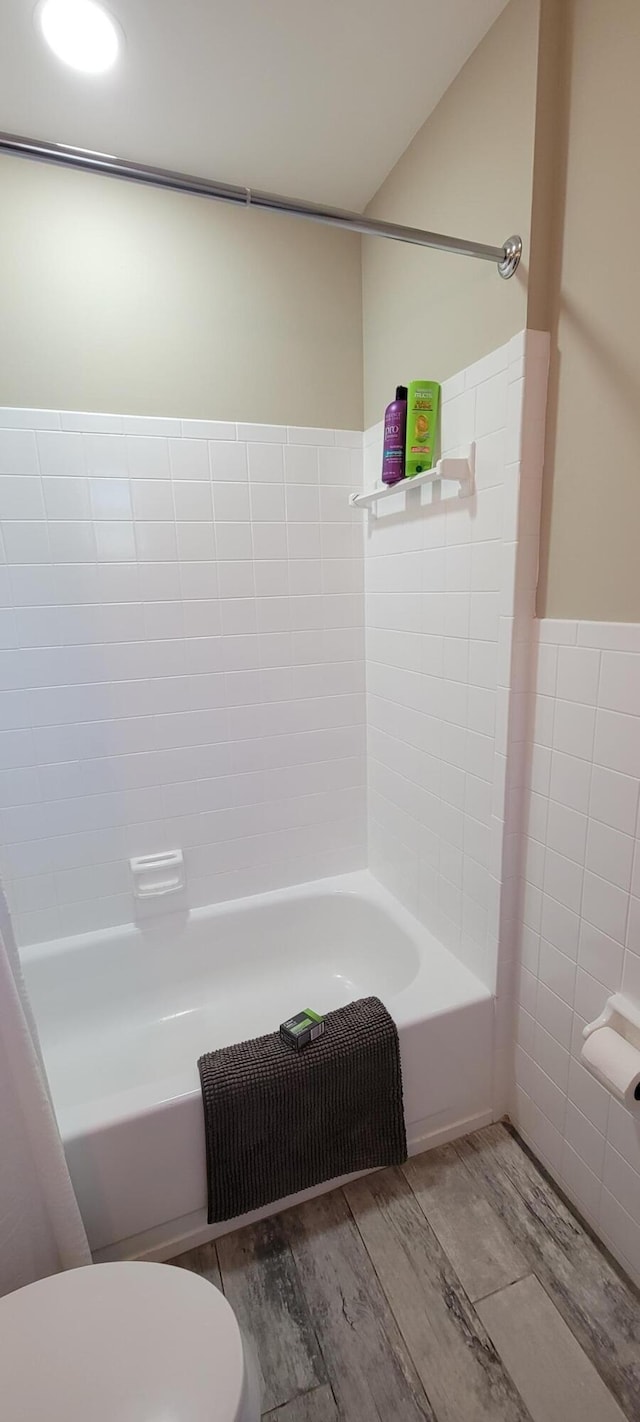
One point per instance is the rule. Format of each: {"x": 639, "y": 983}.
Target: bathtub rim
{"x": 426, "y": 997}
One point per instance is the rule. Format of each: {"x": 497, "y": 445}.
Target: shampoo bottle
{"x": 423, "y": 405}
{"x": 395, "y": 424}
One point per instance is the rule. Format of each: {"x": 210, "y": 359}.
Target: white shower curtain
{"x": 41, "y": 1230}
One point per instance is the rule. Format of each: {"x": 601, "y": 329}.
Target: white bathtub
{"x": 125, "y": 1013}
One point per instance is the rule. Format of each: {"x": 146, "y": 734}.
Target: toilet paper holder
{"x": 611, "y": 1050}
{"x": 618, "y": 1006}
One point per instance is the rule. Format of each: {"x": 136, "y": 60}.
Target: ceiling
{"x": 313, "y": 98}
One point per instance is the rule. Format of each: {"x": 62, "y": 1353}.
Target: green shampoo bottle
{"x": 423, "y": 409}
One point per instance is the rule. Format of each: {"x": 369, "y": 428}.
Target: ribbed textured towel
{"x": 279, "y": 1120}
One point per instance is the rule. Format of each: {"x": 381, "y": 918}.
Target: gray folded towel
{"x": 278, "y": 1120}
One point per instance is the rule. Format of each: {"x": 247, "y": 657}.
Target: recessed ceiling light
{"x": 80, "y": 33}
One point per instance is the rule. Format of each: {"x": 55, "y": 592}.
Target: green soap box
{"x": 305, "y": 1027}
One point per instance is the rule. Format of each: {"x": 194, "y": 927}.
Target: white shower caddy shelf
{"x": 460, "y": 470}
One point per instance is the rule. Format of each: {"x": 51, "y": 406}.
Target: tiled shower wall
{"x": 580, "y": 918}
{"x": 182, "y": 618}
{"x": 450, "y": 582}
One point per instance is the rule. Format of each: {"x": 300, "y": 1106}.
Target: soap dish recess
{"x": 155, "y": 875}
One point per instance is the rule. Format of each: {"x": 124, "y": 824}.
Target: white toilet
{"x": 124, "y": 1341}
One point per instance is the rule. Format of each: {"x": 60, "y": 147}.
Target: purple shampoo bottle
{"x": 395, "y": 427}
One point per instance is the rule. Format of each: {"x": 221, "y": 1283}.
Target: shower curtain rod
{"x": 506, "y": 257}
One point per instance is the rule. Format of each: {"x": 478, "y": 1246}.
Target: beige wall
{"x": 590, "y": 564}
{"x": 115, "y": 297}
{"x": 467, "y": 172}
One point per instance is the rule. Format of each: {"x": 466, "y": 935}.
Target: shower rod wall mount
{"x": 506, "y": 257}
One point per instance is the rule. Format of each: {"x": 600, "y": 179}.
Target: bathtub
{"x": 124, "y": 1013}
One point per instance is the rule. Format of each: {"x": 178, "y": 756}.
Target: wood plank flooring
{"x": 460, "y": 1288}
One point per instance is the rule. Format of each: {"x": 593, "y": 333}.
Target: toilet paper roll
{"x": 616, "y": 1063}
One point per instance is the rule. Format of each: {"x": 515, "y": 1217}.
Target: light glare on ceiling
{"x": 80, "y": 33}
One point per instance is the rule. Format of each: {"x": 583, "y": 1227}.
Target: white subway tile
{"x": 635, "y": 875}
{"x": 192, "y": 500}
{"x": 620, "y": 1232}
{"x": 305, "y": 435}
{"x": 560, "y": 926}
{"x": 155, "y": 541}
{"x": 633, "y": 925}
{"x": 567, "y": 831}
{"x": 549, "y": 1098}
{"x": 300, "y": 464}
{"x": 570, "y": 780}
{"x": 563, "y": 880}
{"x": 152, "y": 499}
{"x": 92, "y": 423}
{"x": 148, "y": 457}
{"x": 335, "y": 466}
{"x": 66, "y": 498}
{"x": 303, "y": 540}
{"x": 559, "y": 632}
{"x": 163, "y": 580}
{"x": 600, "y": 956}
{"x": 573, "y": 730}
{"x": 110, "y": 498}
{"x": 578, "y": 674}
{"x": 557, "y": 972}
{"x": 150, "y": 425}
{"x": 590, "y": 998}
{"x": 269, "y": 540}
{"x": 237, "y": 579}
{"x": 543, "y": 718}
{"x": 72, "y": 542}
{"x": 585, "y": 1139}
{"x": 18, "y": 452}
{"x": 350, "y": 438}
{"x": 486, "y": 569}
{"x": 303, "y": 506}
{"x": 580, "y": 1183}
{"x": 228, "y": 462}
{"x": 21, "y": 497}
{"x": 617, "y": 742}
{"x": 620, "y": 682}
{"x": 233, "y": 541}
{"x": 622, "y": 1181}
{"x": 267, "y": 503}
{"x": 610, "y": 854}
{"x": 208, "y": 429}
{"x": 490, "y": 459}
{"x": 163, "y": 619}
{"x": 189, "y": 459}
{"x": 18, "y": 419}
{"x": 610, "y": 636}
{"x": 491, "y": 405}
{"x": 7, "y": 628}
{"x": 231, "y": 502}
{"x": 553, "y": 1059}
{"x": 614, "y": 799}
{"x": 623, "y": 1134}
{"x": 31, "y": 586}
{"x": 266, "y": 463}
{"x": 604, "y": 906}
{"x": 554, "y": 1016}
{"x": 589, "y": 1096}
{"x": 239, "y": 617}
{"x": 26, "y": 542}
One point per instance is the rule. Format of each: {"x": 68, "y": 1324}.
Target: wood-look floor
{"x": 459, "y": 1288}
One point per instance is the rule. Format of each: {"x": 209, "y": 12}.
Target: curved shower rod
{"x": 506, "y": 257}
